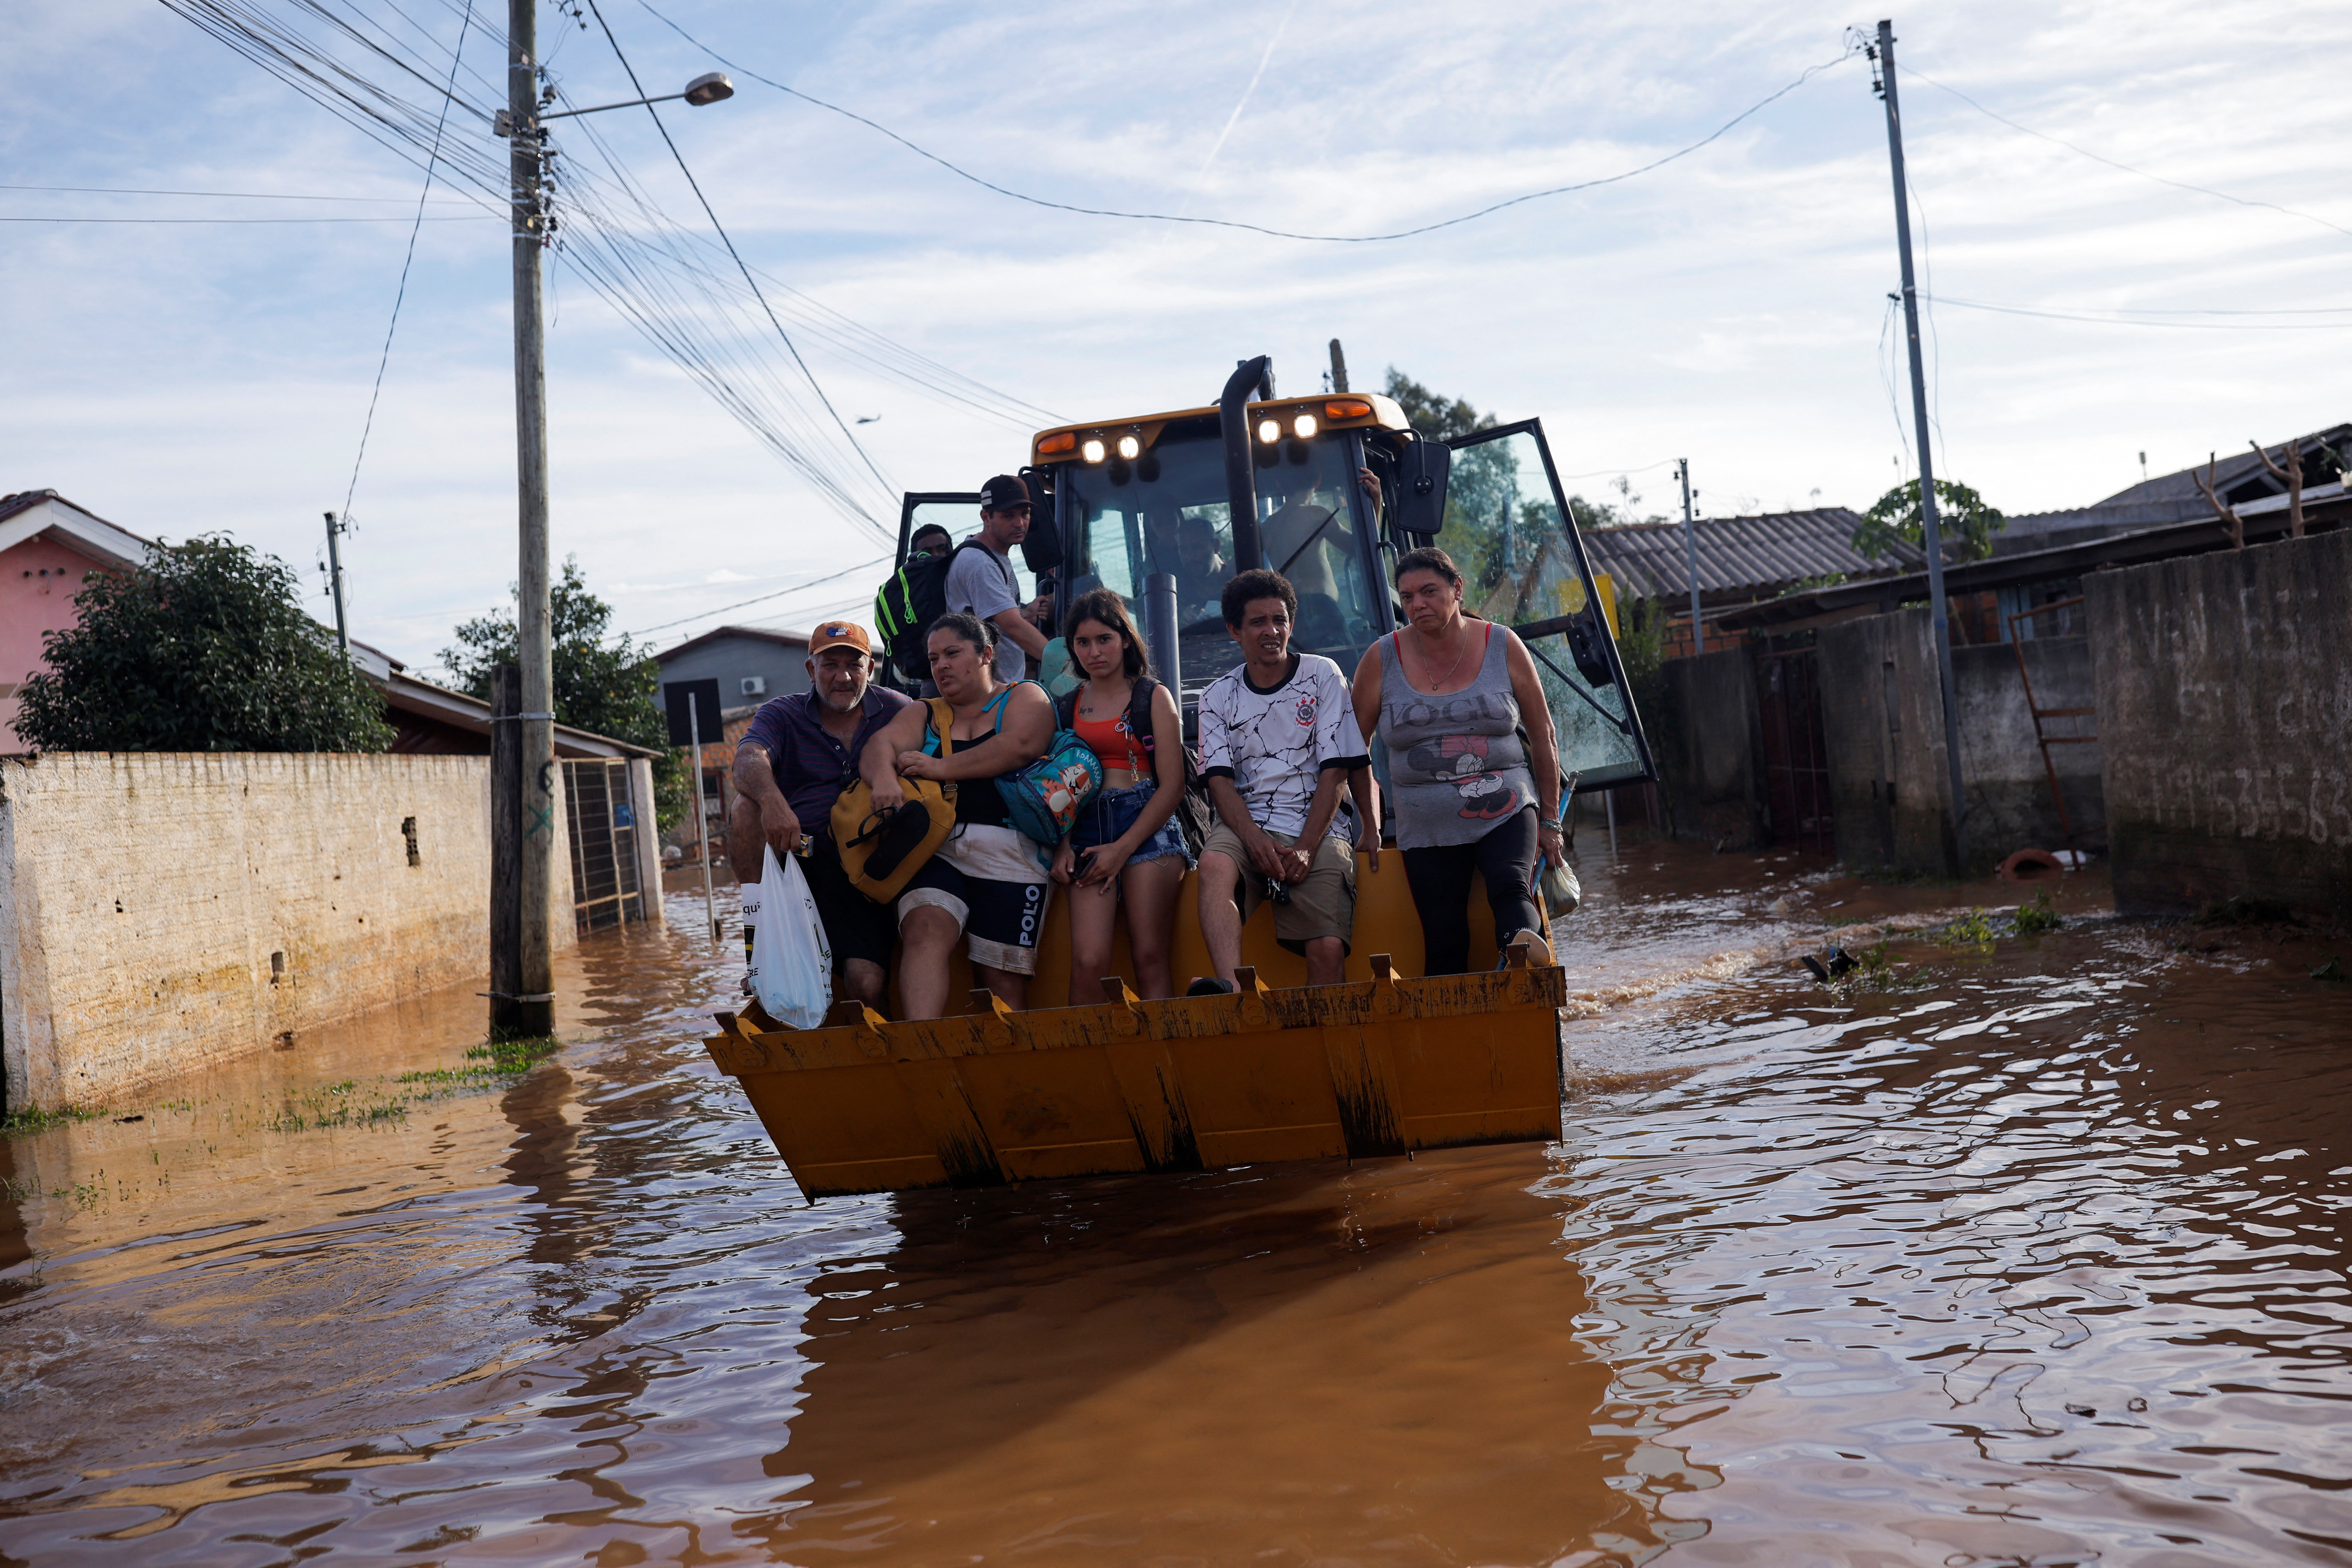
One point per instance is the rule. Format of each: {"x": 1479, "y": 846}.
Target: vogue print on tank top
{"x": 1457, "y": 764}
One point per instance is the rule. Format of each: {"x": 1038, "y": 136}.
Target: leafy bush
{"x": 1964, "y": 522}
{"x": 604, "y": 688}
{"x": 2037, "y": 917}
{"x": 1972, "y": 930}
{"x": 203, "y": 648}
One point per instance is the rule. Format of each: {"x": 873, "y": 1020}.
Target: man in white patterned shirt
{"x": 1278, "y": 738}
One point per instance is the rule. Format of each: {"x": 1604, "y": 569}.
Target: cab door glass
{"x": 1509, "y": 528}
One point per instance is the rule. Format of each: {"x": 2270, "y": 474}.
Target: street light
{"x": 522, "y": 807}
{"x": 710, "y": 87}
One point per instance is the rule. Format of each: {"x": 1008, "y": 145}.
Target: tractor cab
{"x": 1329, "y": 490}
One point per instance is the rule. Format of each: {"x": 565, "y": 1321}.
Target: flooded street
{"x": 2024, "y": 1252}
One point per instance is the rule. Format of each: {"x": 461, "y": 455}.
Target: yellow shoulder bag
{"x": 880, "y": 851}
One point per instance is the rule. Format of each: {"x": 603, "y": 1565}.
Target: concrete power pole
{"x": 1931, "y": 539}
{"x": 1339, "y": 368}
{"x": 335, "y": 530}
{"x": 529, "y": 1007}
{"x": 1690, "y": 553}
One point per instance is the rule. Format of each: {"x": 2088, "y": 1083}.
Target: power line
{"x": 763, "y": 598}
{"x": 1718, "y": 133}
{"x": 2122, "y": 321}
{"x": 401, "y": 293}
{"x": 2126, "y": 168}
{"x": 674, "y": 285}
{"x": 597, "y": 11}
{"x": 233, "y": 195}
{"x": 1607, "y": 473}
{"x": 470, "y": 217}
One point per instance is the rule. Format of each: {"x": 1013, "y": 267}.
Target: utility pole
{"x": 1339, "y": 368}
{"x": 529, "y": 1007}
{"x": 1931, "y": 539}
{"x": 1690, "y": 553}
{"x": 335, "y": 582}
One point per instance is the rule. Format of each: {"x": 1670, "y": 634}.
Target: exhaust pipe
{"x": 1253, "y": 376}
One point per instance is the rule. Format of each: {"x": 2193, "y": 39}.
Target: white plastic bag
{"x": 1561, "y": 891}
{"x": 792, "y": 963}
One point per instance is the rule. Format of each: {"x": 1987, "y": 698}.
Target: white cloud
{"x": 1727, "y": 307}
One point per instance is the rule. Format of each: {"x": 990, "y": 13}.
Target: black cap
{"x": 1002, "y": 493}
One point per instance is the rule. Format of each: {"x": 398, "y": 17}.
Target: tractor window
{"x": 1168, "y": 513}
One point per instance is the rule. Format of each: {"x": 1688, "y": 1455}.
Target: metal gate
{"x": 1796, "y": 752}
{"x": 604, "y": 814}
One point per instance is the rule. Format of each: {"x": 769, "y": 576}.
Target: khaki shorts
{"x": 1322, "y": 905}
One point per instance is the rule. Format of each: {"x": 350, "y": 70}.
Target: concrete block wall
{"x": 1710, "y": 750}
{"x": 1884, "y": 723}
{"x": 164, "y": 911}
{"x": 2010, "y": 807}
{"x": 2225, "y": 686}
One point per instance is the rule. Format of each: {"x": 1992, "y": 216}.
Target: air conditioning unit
{"x": 755, "y": 686}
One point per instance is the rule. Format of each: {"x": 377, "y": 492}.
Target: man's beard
{"x": 837, "y": 704}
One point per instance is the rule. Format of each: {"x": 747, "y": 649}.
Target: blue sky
{"x": 1731, "y": 306}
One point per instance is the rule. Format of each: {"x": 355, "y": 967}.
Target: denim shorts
{"x": 1113, "y": 811}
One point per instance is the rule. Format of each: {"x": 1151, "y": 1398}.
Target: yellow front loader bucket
{"x": 1362, "y": 1068}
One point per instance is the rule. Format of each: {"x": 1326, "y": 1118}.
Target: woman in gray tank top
{"x": 1474, "y": 771}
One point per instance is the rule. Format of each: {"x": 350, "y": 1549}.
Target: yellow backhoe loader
{"x": 1161, "y": 508}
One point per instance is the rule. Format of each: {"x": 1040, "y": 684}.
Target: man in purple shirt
{"x": 789, "y": 766}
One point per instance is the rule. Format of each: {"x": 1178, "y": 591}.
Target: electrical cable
{"x": 1935, "y": 344}
{"x": 367, "y": 426}
{"x": 1719, "y": 131}
{"x": 1887, "y": 377}
{"x": 470, "y": 217}
{"x": 1606, "y": 473}
{"x": 2190, "y": 326}
{"x": 2126, "y": 168}
{"x": 233, "y": 195}
{"x": 763, "y": 598}
{"x": 681, "y": 290}
{"x": 888, "y": 490}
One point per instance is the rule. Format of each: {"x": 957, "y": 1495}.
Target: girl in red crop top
{"x": 1114, "y": 744}
{"x": 1125, "y": 850}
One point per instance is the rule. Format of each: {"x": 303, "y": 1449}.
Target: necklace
{"x": 1436, "y": 681}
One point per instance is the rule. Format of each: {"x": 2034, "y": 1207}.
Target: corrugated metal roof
{"x": 1739, "y": 558}
{"x": 2240, "y": 477}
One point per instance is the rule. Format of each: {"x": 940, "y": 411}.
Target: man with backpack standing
{"x": 981, "y": 581}
{"x": 975, "y": 579}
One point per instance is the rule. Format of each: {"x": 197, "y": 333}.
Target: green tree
{"x": 1430, "y": 414}
{"x": 203, "y": 648}
{"x": 605, "y": 687}
{"x": 1963, "y": 519}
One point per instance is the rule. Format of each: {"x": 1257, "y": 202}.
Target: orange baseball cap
{"x": 839, "y": 634}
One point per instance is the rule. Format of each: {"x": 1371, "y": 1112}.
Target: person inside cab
{"x": 789, "y": 766}
{"x": 1201, "y": 569}
{"x": 987, "y": 885}
{"x": 1125, "y": 848}
{"x": 1310, "y": 541}
{"x": 1278, "y": 739}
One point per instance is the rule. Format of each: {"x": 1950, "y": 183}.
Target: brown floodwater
{"x": 2022, "y": 1253}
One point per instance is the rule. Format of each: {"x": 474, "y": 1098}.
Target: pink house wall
{"x": 39, "y": 580}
